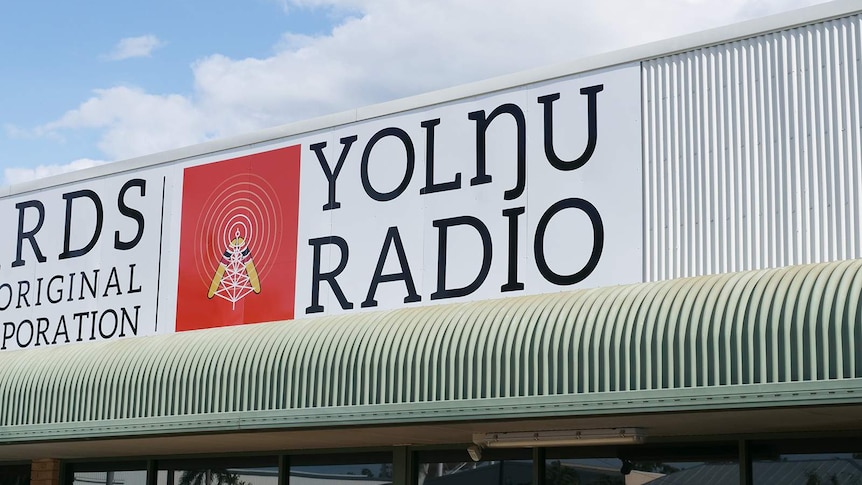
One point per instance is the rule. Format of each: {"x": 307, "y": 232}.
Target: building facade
{"x": 637, "y": 268}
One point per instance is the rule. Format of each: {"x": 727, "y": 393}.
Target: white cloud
{"x": 133, "y": 122}
{"x": 130, "y": 47}
{"x": 390, "y": 49}
{"x": 14, "y": 175}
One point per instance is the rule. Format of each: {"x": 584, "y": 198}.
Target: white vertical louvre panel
{"x": 753, "y": 153}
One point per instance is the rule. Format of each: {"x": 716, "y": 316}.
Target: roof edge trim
{"x": 752, "y": 396}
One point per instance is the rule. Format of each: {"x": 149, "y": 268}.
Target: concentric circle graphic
{"x": 243, "y": 212}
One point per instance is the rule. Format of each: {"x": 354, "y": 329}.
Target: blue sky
{"x": 55, "y": 55}
{"x": 95, "y": 81}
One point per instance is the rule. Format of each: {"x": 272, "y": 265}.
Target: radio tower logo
{"x": 238, "y": 241}
{"x": 236, "y": 275}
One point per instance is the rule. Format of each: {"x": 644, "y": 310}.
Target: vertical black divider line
{"x": 161, "y": 242}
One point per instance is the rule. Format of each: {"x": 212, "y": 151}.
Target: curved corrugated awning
{"x": 762, "y": 338}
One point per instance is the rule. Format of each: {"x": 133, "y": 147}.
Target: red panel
{"x": 239, "y": 220}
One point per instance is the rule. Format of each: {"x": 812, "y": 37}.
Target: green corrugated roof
{"x": 782, "y": 336}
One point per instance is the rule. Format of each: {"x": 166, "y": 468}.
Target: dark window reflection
{"x": 348, "y": 474}
{"x": 134, "y": 477}
{"x": 810, "y": 469}
{"x": 571, "y": 472}
{"x": 219, "y": 476}
{"x": 15, "y": 475}
{"x": 504, "y": 472}
{"x": 614, "y": 471}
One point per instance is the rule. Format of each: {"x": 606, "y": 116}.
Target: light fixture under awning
{"x": 584, "y": 437}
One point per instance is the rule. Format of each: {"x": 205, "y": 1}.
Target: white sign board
{"x": 529, "y": 190}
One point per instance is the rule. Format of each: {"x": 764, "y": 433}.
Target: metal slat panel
{"x": 778, "y": 326}
{"x": 753, "y": 153}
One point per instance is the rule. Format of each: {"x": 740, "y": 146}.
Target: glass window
{"x": 357, "y": 469}
{"x": 614, "y": 471}
{"x": 493, "y": 468}
{"x": 643, "y": 465}
{"x": 262, "y": 471}
{"x": 809, "y": 469}
{"x": 110, "y": 473}
{"x": 121, "y": 477}
{"x": 357, "y": 474}
{"x": 574, "y": 471}
{"x": 219, "y": 476}
{"x": 505, "y": 472}
{"x": 15, "y": 475}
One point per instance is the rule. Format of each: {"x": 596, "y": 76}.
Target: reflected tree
{"x": 210, "y": 477}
